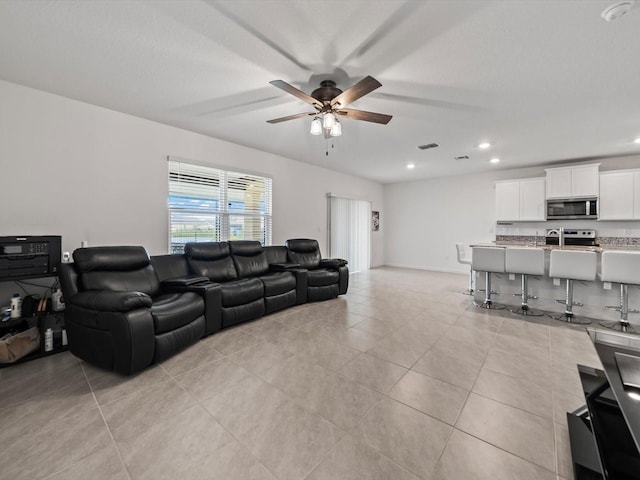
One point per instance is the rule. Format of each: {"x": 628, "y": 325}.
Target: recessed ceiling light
{"x": 411, "y": 166}
{"x": 637, "y": 140}
{"x": 484, "y": 145}
{"x": 495, "y": 160}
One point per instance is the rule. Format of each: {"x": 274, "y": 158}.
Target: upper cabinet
{"x": 520, "y": 200}
{"x": 620, "y": 195}
{"x": 573, "y": 182}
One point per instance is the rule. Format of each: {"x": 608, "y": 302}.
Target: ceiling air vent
{"x": 461, "y": 157}
{"x": 428, "y": 146}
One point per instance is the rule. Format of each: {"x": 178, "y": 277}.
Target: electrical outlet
{"x": 512, "y": 276}
{"x": 556, "y": 282}
{"x": 606, "y": 285}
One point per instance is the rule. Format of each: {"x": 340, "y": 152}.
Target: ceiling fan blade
{"x": 295, "y": 92}
{"x": 366, "y": 116}
{"x": 367, "y": 85}
{"x": 291, "y": 117}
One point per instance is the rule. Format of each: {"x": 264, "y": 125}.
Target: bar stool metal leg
{"x": 470, "y": 290}
{"x": 568, "y": 315}
{"x": 623, "y": 324}
{"x": 525, "y": 309}
{"x": 488, "y": 302}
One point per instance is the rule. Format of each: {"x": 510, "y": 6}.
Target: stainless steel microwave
{"x": 572, "y": 208}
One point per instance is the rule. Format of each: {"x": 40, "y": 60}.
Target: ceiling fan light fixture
{"x": 329, "y": 120}
{"x": 316, "y": 127}
{"x": 484, "y": 145}
{"x": 336, "y": 129}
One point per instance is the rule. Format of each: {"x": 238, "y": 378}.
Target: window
{"x": 209, "y": 205}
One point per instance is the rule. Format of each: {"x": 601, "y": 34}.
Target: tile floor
{"x": 399, "y": 379}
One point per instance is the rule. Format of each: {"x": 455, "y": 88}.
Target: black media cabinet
{"x": 604, "y": 433}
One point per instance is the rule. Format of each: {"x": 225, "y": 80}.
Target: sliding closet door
{"x": 350, "y": 232}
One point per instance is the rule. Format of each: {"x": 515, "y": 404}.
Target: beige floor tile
{"x": 32, "y": 379}
{"x": 564, "y": 402}
{"x": 410, "y": 438}
{"x": 469, "y": 352}
{"x": 522, "y": 346}
{"x": 564, "y": 463}
{"x": 534, "y": 329}
{"x": 377, "y": 327}
{"x": 404, "y": 347}
{"x": 341, "y": 401}
{"x": 353, "y": 338}
{"x": 231, "y": 340}
{"x": 104, "y": 464}
{"x": 474, "y": 336}
{"x": 469, "y": 458}
{"x": 536, "y": 370}
{"x": 167, "y": 448}
{"x": 352, "y": 460}
{"x": 194, "y": 356}
{"x": 110, "y": 386}
{"x": 230, "y": 462}
{"x": 480, "y": 321}
{"x": 292, "y": 442}
{"x": 55, "y": 448}
{"x": 431, "y": 396}
{"x": 373, "y": 372}
{"x": 213, "y": 378}
{"x": 130, "y": 415}
{"x": 38, "y": 413}
{"x": 245, "y": 404}
{"x": 516, "y": 431}
{"x": 260, "y": 358}
{"x": 449, "y": 368}
{"x": 514, "y": 391}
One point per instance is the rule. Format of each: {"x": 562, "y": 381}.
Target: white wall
{"x": 87, "y": 173}
{"x": 425, "y": 219}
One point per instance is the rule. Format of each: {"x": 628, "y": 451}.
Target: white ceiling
{"x": 545, "y": 81}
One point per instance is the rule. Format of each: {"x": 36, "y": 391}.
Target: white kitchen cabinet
{"x": 620, "y": 195}
{"x": 573, "y": 182}
{"x": 520, "y": 200}
{"x": 508, "y": 201}
{"x": 636, "y": 195}
{"x": 617, "y": 195}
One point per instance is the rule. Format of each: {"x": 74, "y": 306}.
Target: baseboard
{"x": 429, "y": 269}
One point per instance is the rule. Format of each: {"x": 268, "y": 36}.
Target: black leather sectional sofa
{"x": 126, "y": 310}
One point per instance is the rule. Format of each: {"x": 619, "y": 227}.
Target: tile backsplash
{"x": 612, "y": 237}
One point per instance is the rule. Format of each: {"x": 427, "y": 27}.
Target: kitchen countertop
{"x": 631, "y": 248}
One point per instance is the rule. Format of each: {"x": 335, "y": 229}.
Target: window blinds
{"x": 211, "y": 204}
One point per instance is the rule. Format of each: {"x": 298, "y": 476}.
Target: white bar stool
{"x": 525, "y": 261}
{"x": 572, "y": 265}
{"x": 622, "y": 268}
{"x": 461, "y": 252}
{"x": 488, "y": 260}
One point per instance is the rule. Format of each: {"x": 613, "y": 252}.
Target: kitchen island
{"x": 594, "y": 295}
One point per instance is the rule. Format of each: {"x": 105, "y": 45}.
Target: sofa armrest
{"x": 212, "y": 295}
{"x": 184, "y": 281}
{"x": 111, "y": 301}
{"x": 282, "y": 267}
{"x": 334, "y": 263}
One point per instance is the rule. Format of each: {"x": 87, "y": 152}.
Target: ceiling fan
{"x": 329, "y": 101}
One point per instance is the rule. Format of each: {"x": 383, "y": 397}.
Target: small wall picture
{"x": 375, "y": 221}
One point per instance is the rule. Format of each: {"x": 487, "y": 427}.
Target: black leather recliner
{"x": 280, "y": 281}
{"x": 242, "y": 298}
{"x": 118, "y": 317}
{"x": 326, "y": 278}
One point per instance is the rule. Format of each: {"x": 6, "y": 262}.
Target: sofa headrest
{"x": 207, "y": 250}
{"x": 245, "y": 248}
{"x": 120, "y": 259}
{"x": 302, "y": 245}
